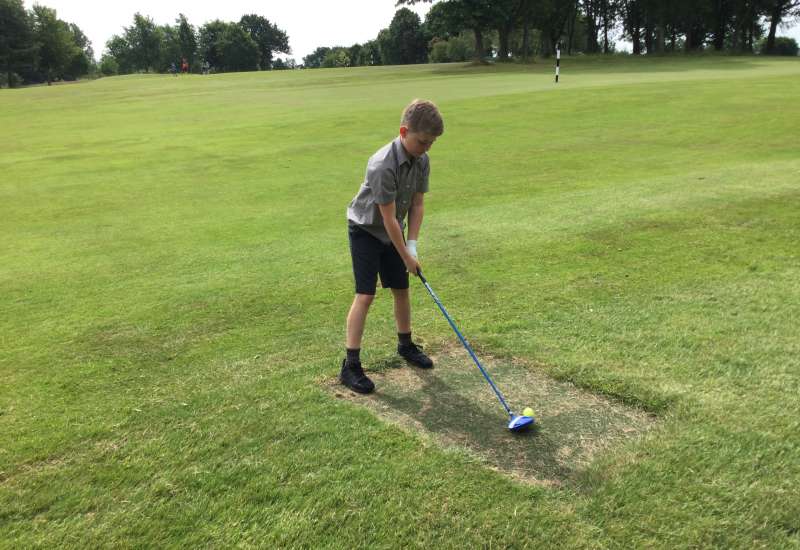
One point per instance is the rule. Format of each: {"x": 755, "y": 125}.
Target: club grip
{"x": 419, "y": 274}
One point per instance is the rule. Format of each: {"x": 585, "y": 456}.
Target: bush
{"x": 109, "y": 66}
{"x": 455, "y": 48}
{"x": 15, "y": 81}
{"x": 460, "y": 48}
{"x": 784, "y": 45}
{"x": 439, "y": 52}
{"x": 337, "y": 57}
{"x": 281, "y": 64}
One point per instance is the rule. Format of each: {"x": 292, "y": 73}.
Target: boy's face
{"x": 416, "y": 143}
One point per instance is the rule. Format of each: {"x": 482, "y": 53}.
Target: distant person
{"x": 184, "y": 66}
{"x": 173, "y": 70}
{"x": 206, "y": 67}
{"x": 394, "y": 186}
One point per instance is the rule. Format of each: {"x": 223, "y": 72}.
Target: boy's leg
{"x": 365, "y": 251}
{"x": 356, "y": 319}
{"x": 402, "y": 316}
{"x": 402, "y": 310}
{"x": 352, "y": 374}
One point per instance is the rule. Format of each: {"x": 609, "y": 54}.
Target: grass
{"x": 453, "y": 407}
{"x": 175, "y": 277}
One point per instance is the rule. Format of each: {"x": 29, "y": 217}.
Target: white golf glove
{"x": 411, "y": 247}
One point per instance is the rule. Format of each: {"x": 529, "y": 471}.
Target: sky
{"x": 309, "y": 23}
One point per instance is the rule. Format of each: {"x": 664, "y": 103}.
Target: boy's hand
{"x": 412, "y": 265}
{"x": 411, "y": 247}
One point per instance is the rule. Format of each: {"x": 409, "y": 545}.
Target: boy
{"x": 394, "y": 185}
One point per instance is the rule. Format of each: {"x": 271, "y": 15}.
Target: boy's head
{"x": 420, "y": 125}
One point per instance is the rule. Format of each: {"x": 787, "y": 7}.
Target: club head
{"x": 519, "y": 423}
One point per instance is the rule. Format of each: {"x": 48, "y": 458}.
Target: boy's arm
{"x": 415, "y": 215}
{"x": 396, "y": 235}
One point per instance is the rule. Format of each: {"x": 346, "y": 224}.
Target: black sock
{"x": 405, "y": 338}
{"x": 353, "y": 355}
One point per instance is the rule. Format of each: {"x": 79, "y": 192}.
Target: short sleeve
{"x": 383, "y": 183}
{"x": 424, "y": 176}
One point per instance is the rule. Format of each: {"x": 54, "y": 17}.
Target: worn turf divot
{"x": 454, "y": 406}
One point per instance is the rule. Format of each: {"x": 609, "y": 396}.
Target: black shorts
{"x": 372, "y": 258}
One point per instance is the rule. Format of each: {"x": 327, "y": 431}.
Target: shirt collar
{"x": 402, "y": 156}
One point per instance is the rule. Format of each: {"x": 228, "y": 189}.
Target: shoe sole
{"x": 357, "y": 390}
{"x": 410, "y": 362}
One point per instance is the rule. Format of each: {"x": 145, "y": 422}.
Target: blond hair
{"x": 424, "y": 117}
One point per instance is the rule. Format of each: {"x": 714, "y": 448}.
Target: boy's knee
{"x": 365, "y": 299}
{"x": 400, "y": 293}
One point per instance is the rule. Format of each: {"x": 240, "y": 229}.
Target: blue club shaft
{"x": 466, "y": 344}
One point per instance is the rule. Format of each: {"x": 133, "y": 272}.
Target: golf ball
{"x": 527, "y": 412}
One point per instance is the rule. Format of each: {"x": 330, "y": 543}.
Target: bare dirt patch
{"x": 454, "y": 406}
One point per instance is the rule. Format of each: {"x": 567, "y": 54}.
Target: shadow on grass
{"x": 455, "y": 406}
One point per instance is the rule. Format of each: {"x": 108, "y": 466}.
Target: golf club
{"x": 517, "y": 423}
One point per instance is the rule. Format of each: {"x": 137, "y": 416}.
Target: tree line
{"x": 36, "y": 46}
{"x": 247, "y": 45}
{"x": 503, "y": 30}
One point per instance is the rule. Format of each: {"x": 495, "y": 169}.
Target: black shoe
{"x": 413, "y": 354}
{"x": 353, "y": 377}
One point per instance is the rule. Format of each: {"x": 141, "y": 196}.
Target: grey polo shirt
{"x": 392, "y": 175}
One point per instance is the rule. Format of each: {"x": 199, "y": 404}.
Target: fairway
{"x": 175, "y": 277}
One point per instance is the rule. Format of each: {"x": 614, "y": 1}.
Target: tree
{"x": 81, "y": 40}
{"x": 783, "y": 45}
{"x": 526, "y": 19}
{"x": 169, "y": 51}
{"x": 17, "y": 47}
{"x": 475, "y": 15}
{"x": 269, "y": 38}
{"x": 109, "y": 65}
{"x": 633, "y": 19}
{"x": 406, "y": 41}
{"x": 363, "y": 55}
{"x": 507, "y": 17}
{"x": 228, "y": 47}
{"x": 478, "y": 16}
{"x": 444, "y": 20}
{"x": 120, "y": 51}
{"x": 281, "y": 65}
{"x": 720, "y": 14}
{"x": 314, "y": 59}
{"x": 551, "y": 17}
{"x": 82, "y": 61}
{"x": 746, "y": 27}
{"x": 144, "y": 39}
{"x": 370, "y": 53}
{"x": 591, "y": 9}
{"x": 644, "y": 21}
{"x": 187, "y": 39}
{"x": 455, "y": 48}
{"x": 354, "y": 52}
{"x": 56, "y": 46}
{"x": 209, "y": 42}
{"x": 777, "y": 10}
{"x": 336, "y": 57}
{"x": 600, "y": 15}
{"x": 385, "y": 47}
{"x": 239, "y": 51}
